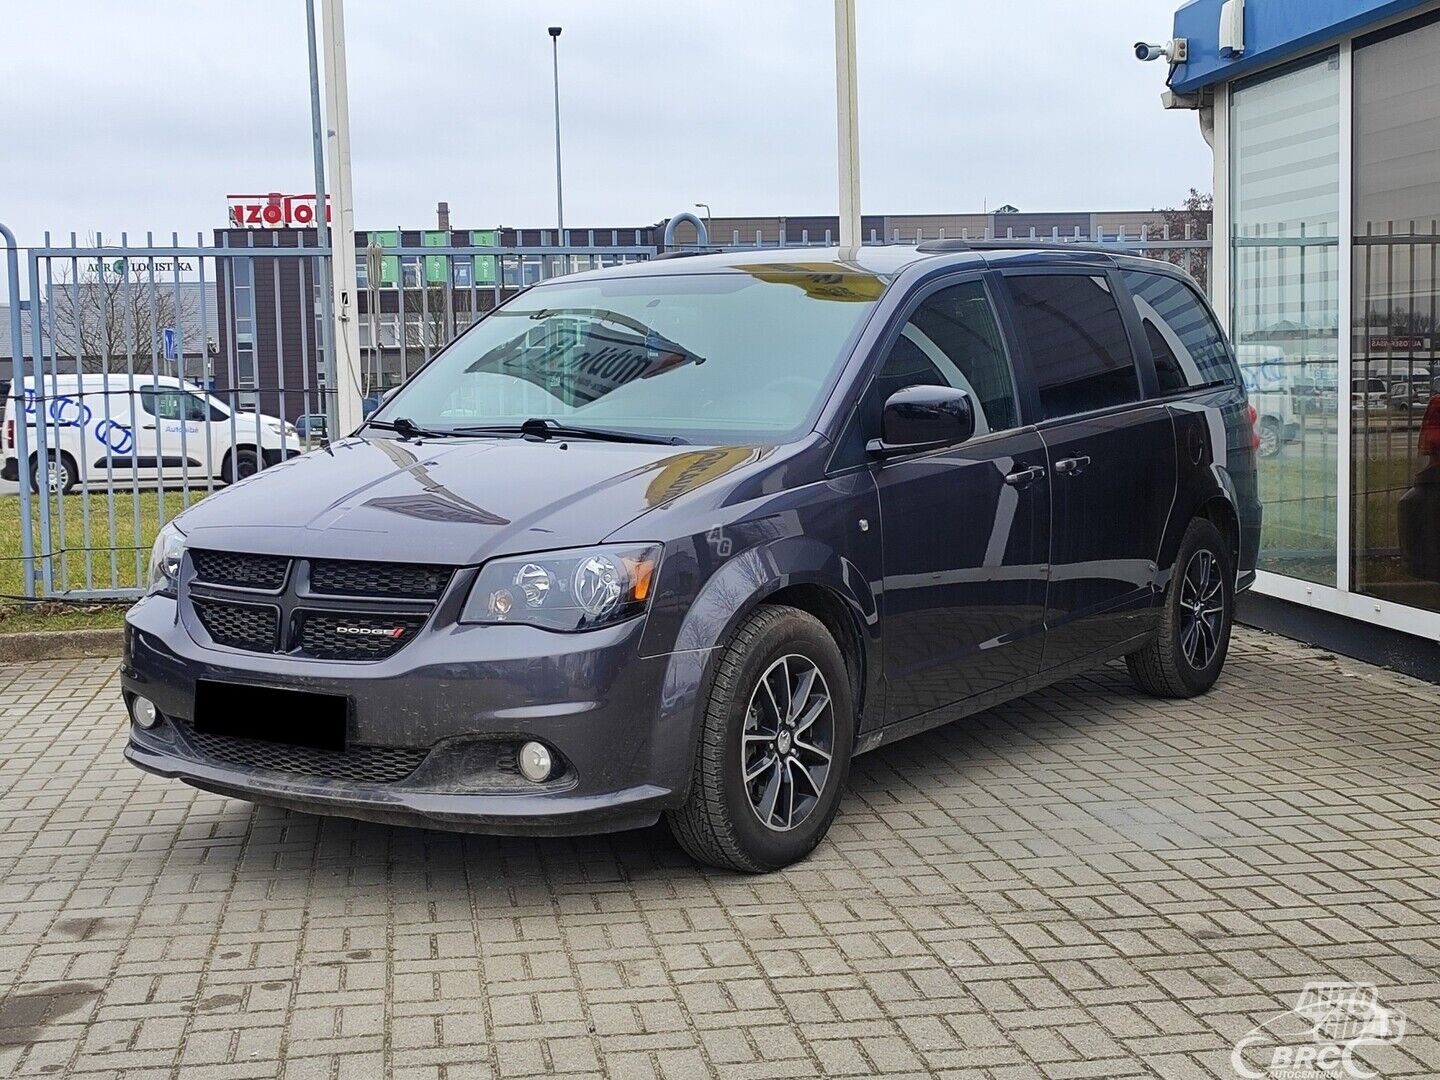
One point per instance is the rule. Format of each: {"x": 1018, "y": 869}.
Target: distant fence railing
{"x": 147, "y": 374}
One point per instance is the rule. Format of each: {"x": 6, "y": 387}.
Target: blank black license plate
{"x": 296, "y": 717}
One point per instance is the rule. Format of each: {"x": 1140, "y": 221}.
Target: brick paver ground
{"x": 1084, "y": 883}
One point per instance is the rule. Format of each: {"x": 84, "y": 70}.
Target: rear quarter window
{"x": 1183, "y": 338}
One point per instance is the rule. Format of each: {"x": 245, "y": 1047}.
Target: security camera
{"x": 1175, "y": 50}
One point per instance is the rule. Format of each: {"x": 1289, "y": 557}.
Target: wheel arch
{"x": 1209, "y": 494}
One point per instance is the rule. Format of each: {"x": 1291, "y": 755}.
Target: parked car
{"x": 1411, "y": 390}
{"x": 1368, "y": 393}
{"x": 103, "y": 428}
{"x": 311, "y": 426}
{"x": 682, "y": 538}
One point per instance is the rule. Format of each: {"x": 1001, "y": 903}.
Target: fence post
{"x": 17, "y": 390}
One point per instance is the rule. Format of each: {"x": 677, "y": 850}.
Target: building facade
{"x": 1325, "y": 123}
{"x": 418, "y": 288}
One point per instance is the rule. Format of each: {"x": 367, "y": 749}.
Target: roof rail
{"x": 1019, "y": 244}
{"x": 685, "y": 253}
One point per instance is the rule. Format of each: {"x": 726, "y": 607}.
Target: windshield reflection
{"x": 580, "y": 355}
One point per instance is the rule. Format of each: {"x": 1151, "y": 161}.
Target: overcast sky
{"x": 145, "y": 114}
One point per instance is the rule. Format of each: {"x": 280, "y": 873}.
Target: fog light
{"x": 143, "y": 712}
{"x": 535, "y": 762}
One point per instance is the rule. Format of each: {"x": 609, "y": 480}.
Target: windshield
{"x": 733, "y": 357}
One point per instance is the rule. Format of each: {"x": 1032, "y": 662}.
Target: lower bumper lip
{"x": 542, "y": 814}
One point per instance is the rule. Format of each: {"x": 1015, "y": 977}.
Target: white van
{"x": 1270, "y": 379}
{"x": 101, "y": 428}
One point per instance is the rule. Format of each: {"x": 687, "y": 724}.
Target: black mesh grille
{"x": 329, "y": 635}
{"x": 410, "y": 580}
{"x": 241, "y": 626}
{"x": 239, "y": 570}
{"x": 363, "y": 764}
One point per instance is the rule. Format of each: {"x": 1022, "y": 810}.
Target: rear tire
{"x": 765, "y": 716}
{"x": 62, "y": 474}
{"x": 1187, "y": 654}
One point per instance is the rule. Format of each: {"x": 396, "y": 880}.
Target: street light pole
{"x": 559, "y": 187}
{"x": 706, "y": 207}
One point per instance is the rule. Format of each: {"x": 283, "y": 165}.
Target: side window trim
{"x": 1128, "y": 318}
{"x": 913, "y": 304}
{"x": 1203, "y": 303}
{"x": 900, "y": 318}
{"x": 1140, "y": 354}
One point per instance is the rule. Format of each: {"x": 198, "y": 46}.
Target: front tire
{"x": 239, "y": 465}
{"x": 774, "y": 748}
{"x": 1187, "y": 654}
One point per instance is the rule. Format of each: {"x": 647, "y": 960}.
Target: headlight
{"x": 165, "y": 559}
{"x": 565, "y": 590}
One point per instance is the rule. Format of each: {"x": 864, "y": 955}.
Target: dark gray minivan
{"x": 681, "y": 538}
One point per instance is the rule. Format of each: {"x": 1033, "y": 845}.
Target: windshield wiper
{"x": 541, "y": 427}
{"x": 407, "y": 428}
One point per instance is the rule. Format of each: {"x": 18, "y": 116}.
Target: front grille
{"x": 404, "y": 580}
{"x": 240, "y": 626}
{"x": 332, "y": 635}
{"x": 239, "y": 570}
{"x": 325, "y": 609}
{"x": 362, "y": 764}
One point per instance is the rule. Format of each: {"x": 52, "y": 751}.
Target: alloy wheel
{"x": 1202, "y": 608}
{"x": 787, "y": 742}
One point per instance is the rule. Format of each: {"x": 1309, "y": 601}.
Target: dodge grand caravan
{"x": 683, "y": 538}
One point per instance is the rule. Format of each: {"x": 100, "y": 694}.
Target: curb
{"x": 60, "y": 645}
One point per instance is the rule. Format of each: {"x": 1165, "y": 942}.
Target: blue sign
{"x": 168, "y": 335}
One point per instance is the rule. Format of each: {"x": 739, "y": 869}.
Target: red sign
{"x": 273, "y": 211}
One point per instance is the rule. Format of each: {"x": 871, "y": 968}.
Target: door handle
{"x": 1072, "y": 466}
{"x": 1025, "y": 477}
{"x": 147, "y": 427}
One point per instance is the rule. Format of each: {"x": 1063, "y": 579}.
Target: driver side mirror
{"x": 923, "y": 418}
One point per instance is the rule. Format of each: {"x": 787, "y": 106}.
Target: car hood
{"x": 451, "y": 501}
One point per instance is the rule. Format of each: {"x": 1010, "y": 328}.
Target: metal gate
{"x": 146, "y": 376}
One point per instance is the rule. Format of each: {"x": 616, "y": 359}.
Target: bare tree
{"x": 109, "y": 315}
{"x": 1189, "y": 221}
{"x": 425, "y": 320}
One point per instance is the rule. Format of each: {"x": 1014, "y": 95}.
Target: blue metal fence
{"x": 147, "y": 375}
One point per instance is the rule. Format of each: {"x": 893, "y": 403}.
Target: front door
{"x": 175, "y": 434}
{"x": 1111, "y": 459}
{"x": 965, "y": 529}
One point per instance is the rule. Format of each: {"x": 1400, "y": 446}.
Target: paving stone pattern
{"x": 1083, "y": 883}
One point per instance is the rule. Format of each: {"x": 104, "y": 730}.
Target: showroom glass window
{"x": 1285, "y": 251}
{"x": 1395, "y": 522}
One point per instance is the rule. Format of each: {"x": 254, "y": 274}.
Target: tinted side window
{"x": 951, "y": 340}
{"x": 1076, "y": 341}
{"x": 1183, "y": 338}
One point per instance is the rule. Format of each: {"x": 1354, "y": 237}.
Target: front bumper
{"x": 455, "y": 699}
